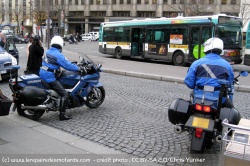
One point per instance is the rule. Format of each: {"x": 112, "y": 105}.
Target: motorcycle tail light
{"x": 198, "y": 132}
{"x": 206, "y": 108}
{"x": 198, "y": 107}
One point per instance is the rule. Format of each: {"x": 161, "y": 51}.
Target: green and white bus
{"x": 178, "y": 40}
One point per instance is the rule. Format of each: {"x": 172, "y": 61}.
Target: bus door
{"x": 198, "y": 35}
{"x": 137, "y": 41}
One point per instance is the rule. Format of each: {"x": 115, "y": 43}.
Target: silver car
{"x": 6, "y": 63}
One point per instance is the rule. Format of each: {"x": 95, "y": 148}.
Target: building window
{"x": 165, "y": 14}
{"x": 233, "y": 2}
{"x": 91, "y": 2}
{"x": 138, "y": 1}
{"x": 211, "y": 2}
{"x": 181, "y": 1}
{"x": 62, "y": 2}
{"x": 104, "y": 2}
{"x": 70, "y": 2}
{"x": 76, "y": 2}
{"x": 98, "y": 14}
{"x": 146, "y": 14}
{"x": 165, "y": 1}
{"x": 121, "y": 14}
{"x": 154, "y": 1}
{"x": 128, "y": 1}
{"x": 173, "y": 1}
{"x": 121, "y": 2}
{"x": 146, "y": 1}
{"x": 223, "y": 2}
{"x": 114, "y": 2}
{"x": 98, "y": 2}
{"x": 173, "y": 14}
{"x": 193, "y": 1}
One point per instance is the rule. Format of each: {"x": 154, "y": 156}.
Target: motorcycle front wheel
{"x": 31, "y": 114}
{"x": 96, "y": 97}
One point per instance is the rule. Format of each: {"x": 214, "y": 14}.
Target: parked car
{"x": 18, "y": 39}
{"x": 9, "y": 56}
{"x": 86, "y": 36}
{"x": 95, "y": 35}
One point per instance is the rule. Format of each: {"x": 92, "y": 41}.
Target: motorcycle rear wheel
{"x": 31, "y": 114}
{"x": 93, "y": 100}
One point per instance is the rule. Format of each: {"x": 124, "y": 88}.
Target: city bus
{"x": 247, "y": 46}
{"x": 178, "y": 40}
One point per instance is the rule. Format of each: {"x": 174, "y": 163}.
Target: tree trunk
{"x": 41, "y": 33}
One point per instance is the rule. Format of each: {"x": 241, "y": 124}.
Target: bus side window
{"x": 149, "y": 36}
{"x": 179, "y": 30}
{"x": 159, "y": 37}
{"x": 206, "y": 34}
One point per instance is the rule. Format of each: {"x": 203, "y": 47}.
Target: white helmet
{"x": 213, "y": 43}
{"x": 57, "y": 40}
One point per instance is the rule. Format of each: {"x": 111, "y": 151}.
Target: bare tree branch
{"x": 190, "y": 8}
{"x": 245, "y": 11}
{"x": 17, "y": 16}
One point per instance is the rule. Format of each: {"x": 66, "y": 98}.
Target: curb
{"x": 238, "y": 88}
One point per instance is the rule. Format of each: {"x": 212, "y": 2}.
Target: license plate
{"x": 200, "y": 123}
{"x": 3, "y": 71}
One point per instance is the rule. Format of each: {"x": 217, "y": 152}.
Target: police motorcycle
{"x": 32, "y": 96}
{"x": 202, "y": 115}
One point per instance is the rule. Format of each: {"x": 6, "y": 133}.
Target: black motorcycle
{"x": 203, "y": 114}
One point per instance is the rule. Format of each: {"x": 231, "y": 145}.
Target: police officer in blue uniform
{"x": 52, "y": 61}
{"x": 207, "y": 70}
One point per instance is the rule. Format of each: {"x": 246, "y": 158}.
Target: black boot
{"x": 63, "y": 105}
{"x": 63, "y": 116}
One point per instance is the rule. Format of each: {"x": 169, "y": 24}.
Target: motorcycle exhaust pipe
{"x": 38, "y": 107}
{"x": 218, "y": 138}
{"x": 178, "y": 129}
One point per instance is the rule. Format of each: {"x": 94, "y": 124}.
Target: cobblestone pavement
{"x": 134, "y": 119}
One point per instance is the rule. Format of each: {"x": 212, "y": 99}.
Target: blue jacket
{"x": 53, "y": 60}
{"x": 198, "y": 76}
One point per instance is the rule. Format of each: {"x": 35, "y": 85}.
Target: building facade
{"x": 83, "y": 16}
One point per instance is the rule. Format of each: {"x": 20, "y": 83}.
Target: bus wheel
{"x": 178, "y": 59}
{"x": 118, "y": 53}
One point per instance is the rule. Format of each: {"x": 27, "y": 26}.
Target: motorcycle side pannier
{"x": 231, "y": 114}
{"x": 178, "y": 111}
{"x": 247, "y": 59}
{"x": 5, "y": 104}
{"x": 33, "y": 96}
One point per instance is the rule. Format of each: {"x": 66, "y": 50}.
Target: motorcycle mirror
{"x": 99, "y": 66}
{"x": 244, "y": 73}
{"x": 81, "y": 58}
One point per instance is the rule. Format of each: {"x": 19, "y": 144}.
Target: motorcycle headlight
{"x": 14, "y": 61}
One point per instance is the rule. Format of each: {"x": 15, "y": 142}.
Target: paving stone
{"x": 134, "y": 118}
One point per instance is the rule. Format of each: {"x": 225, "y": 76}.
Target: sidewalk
{"x": 22, "y": 139}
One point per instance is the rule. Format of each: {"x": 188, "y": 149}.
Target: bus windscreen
{"x": 231, "y": 36}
